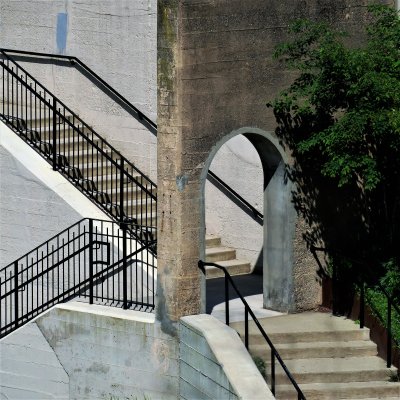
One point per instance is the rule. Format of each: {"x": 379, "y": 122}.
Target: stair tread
{"x": 329, "y": 365}
{"x": 335, "y": 385}
{"x": 219, "y": 249}
{"x": 307, "y": 322}
{"x": 229, "y": 263}
{"x": 318, "y": 345}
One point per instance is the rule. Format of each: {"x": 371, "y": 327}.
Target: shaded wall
{"x": 215, "y": 74}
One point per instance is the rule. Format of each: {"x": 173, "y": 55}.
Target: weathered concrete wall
{"x": 116, "y": 39}
{"x": 94, "y": 352}
{"x": 214, "y": 364}
{"x": 215, "y": 74}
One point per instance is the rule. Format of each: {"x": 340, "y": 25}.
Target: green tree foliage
{"x": 341, "y": 120}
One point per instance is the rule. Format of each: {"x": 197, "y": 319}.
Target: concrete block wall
{"x": 214, "y": 364}
{"x": 90, "y": 353}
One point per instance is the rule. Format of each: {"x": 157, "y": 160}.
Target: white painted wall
{"x": 239, "y": 165}
{"x": 117, "y": 39}
{"x": 36, "y": 202}
{"x": 103, "y": 353}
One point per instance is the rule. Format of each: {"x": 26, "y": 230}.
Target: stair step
{"x": 330, "y": 370}
{"x": 234, "y": 267}
{"x": 131, "y": 193}
{"x": 217, "y": 254}
{"x": 213, "y": 241}
{"x": 341, "y": 390}
{"x": 304, "y": 327}
{"x": 290, "y": 351}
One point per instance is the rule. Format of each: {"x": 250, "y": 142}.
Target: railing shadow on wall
{"x": 71, "y": 61}
{"x": 74, "y": 149}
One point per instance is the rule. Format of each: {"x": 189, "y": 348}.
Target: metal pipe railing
{"x": 274, "y": 352}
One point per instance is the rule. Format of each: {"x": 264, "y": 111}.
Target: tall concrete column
{"x": 179, "y": 279}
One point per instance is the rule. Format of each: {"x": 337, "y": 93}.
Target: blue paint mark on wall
{"x": 62, "y": 29}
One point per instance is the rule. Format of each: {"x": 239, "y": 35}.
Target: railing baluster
{"x": 90, "y": 261}
{"x": 125, "y": 267}
{"x": 272, "y": 372}
{"x": 54, "y": 141}
{"x": 246, "y": 328}
{"x": 226, "y": 300}
{"x": 16, "y": 302}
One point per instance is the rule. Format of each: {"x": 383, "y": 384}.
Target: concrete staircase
{"x": 225, "y": 256}
{"x": 329, "y": 357}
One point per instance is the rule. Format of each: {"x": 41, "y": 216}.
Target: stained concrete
{"x": 89, "y": 352}
{"x": 214, "y": 364}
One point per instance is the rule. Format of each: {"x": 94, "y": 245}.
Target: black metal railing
{"x": 93, "y": 260}
{"x": 363, "y": 287}
{"x": 248, "y": 311}
{"x": 74, "y": 149}
{"x": 141, "y": 117}
{"x": 77, "y": 63}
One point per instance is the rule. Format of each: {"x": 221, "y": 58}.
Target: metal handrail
{"x": 248, "y": 310}
{"x": 213, "y": 178}
{"x": 76, "y": 117}
{"x": 362, "y": 285}
{"x": 141, "y": 116}
{"x": 75, "y": 264}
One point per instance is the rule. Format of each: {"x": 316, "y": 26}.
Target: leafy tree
{"x": 341, "y": 120}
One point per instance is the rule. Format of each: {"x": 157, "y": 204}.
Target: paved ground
{"x": 248, "y": 285}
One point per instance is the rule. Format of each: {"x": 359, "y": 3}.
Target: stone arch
{"x": 279, "y": 216}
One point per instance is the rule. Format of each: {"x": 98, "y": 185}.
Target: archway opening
{"x": 253, "y": 164}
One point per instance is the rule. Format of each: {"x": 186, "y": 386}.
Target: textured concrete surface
{"x": 91, "y": 352}
{"x": 215, "y": 74}
{"x": 36, "y": 203}
{"x": 29, "y": 368}
{"x": 116, "y": 39}
{"x": 214, "y": 364}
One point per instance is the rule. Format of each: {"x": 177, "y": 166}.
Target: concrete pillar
{"x": 179, "y": 279}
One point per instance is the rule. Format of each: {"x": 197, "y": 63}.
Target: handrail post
{"x": 54, "y": 153}
{"x": 121, "y": 191}
{"x": 389, "y": 334}
{"x": 362, "y": 305}
{"x": 272, "y": 372}
{"x": 124, "y": 269}
{"x": 90, "y": 261}
{"x": 124, "y": 237}
{"x": 226, "y": 300}
{"x": 246, "y": 328}
{"x": 16, "y": 302}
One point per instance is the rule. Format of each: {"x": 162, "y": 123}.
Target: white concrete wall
{"x": 103, "y": 353}
{"x": 30, "y": 212}
{"x": 36, "y": 202}
{"x": 117, "y": 39}
{"x": 214, "y": 364}
{"x": 238, "y": 164}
